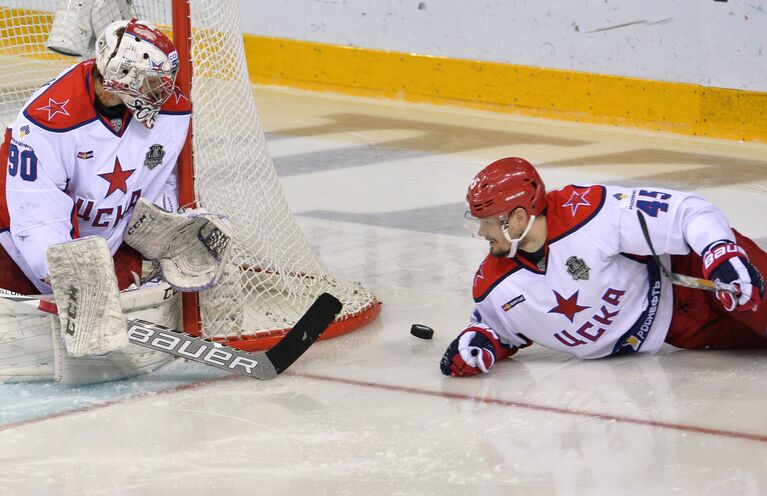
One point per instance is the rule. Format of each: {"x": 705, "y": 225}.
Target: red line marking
{"x": 542, "y": 408}
{"x": 98, "y": 406}
{"x": 422, "y": 392}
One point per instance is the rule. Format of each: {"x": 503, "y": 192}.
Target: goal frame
{"x": 182, "y": 39}
{"x": 191, "y": 314}
{"x": 277, "y": 271}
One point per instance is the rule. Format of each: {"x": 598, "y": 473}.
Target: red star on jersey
{"x": 117, "y": 178}
{"x": 567, "y": 307}
{"x": 178, "y": 95}
{"x": 576, "y": 200}
{"x": 480, "y": 272}
{"x": 55, "y": 107}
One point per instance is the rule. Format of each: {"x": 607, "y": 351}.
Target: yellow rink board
{"x": 559, "y": 94}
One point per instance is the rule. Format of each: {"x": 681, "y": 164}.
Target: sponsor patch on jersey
{"x": 24, "y": 130}
{"x": 154, "y": 156}
{"x": 85, "y": 155}
{"x": 619, "y": 196}
{"x": 634, "y": 342}
{"x": 512, "y": 303}
{"x": 577, "y": 268}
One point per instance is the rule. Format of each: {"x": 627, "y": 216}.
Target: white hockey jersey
{"x": 72, "y": 173}
{"x": 599, "y": 293}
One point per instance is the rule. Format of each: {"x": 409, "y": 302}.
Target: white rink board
{"x": 709, "y": 42}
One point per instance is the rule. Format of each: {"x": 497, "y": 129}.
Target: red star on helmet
{"x": 117, "y": 178}
{"x": 567, "y": 307}
{"x": 55, "y": 107}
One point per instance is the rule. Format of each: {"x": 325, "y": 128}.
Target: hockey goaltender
{"x": 88, "y": 192}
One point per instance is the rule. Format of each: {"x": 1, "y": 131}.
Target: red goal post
{"x": 225, "y": 166}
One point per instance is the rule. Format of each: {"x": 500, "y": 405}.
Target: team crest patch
{"x": 23, "y": 131}
{"x": 154, "y": 156}
{"x": 117, "y": 124}
{"x": 619, "y": 196}
{"x": 577, "y": 268}
{"x": 85, "y": 155}
{"x": 512, "y": 303}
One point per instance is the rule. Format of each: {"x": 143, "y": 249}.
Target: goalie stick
{"x": 680, "y": 279}
{"x": 257, "y": 365}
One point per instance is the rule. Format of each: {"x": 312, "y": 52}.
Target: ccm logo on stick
{"x": 183, "y": 345}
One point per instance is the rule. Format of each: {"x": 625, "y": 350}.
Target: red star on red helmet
{"x": 567, "y": 307}
{"x": 54, "y": 108}
{"x": 117, "y": 178}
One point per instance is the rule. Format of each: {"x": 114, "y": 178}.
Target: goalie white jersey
{"x": 72, "y": 173}
{"x": 599, "y": 293}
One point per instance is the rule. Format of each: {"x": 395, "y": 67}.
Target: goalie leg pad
{"x": 129, "y": 362}
{"x": 25, "y": 346}
{"x": 106, "y": 12}
{"x": 192, "y": 248}
{"x": 84, "y": 283}
{"x": 77, "y": 24}
{"x": 72, "y": 30}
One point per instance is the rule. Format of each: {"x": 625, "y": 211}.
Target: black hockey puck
{"x": 421, "y": 331}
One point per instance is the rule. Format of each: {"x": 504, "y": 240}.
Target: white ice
{"x": 378, "y": 188}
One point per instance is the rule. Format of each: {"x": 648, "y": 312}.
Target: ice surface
{"x": 378, "y": 187}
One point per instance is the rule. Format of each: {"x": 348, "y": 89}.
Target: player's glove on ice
{"x": 475, "y": 350}
{"x": 724, "y": 261}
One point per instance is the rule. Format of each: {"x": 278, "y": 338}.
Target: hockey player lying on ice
{"x": 570, "y": 270}
{"x": 88, "y": 157}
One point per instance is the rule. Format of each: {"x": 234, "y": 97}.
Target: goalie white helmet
{"x": 139, "y": 65}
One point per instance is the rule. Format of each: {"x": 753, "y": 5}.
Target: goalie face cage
{"x": 274, "y": 275}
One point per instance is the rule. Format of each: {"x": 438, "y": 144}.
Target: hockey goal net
{"x": 275, "y": 274}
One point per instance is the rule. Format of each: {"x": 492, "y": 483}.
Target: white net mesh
{"x": 275, "y": 275}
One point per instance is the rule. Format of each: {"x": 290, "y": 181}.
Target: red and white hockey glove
{"x": 724, "y": 261}
{"x": 475, "y": 350}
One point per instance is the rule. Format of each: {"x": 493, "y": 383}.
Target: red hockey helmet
{"x": 503, "y": 186}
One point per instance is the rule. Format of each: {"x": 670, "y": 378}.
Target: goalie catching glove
{"x": 475, "y": 350}
{"x": 191, "y": 248}
{"x": 724, "y": 261}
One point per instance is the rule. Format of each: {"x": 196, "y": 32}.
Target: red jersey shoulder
{"x": 67, "y": 103}
{"x": 490, "y": 272}
{"x": 178, "y": 103}
{"x": 571, "y": 207}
